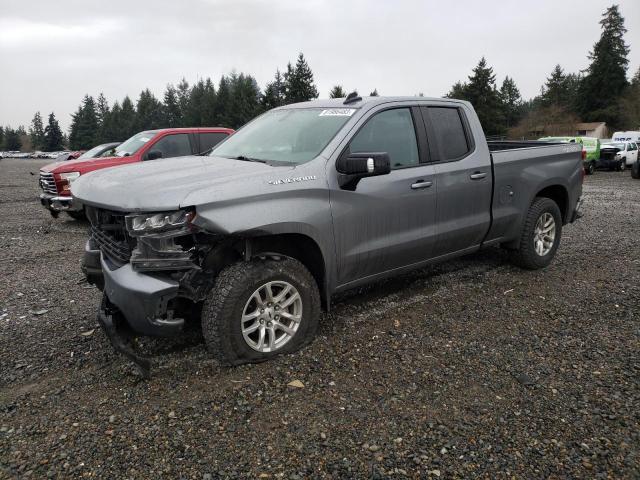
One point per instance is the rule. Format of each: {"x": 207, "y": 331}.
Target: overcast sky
{"x": 52, "y": 52}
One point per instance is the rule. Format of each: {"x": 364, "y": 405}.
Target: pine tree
{"x": 36, "y": 132}
{"x": 209, "y": 98}
{"x": 511, "y": 102}
{"x": 83, "y": 133}
{"x": 299, "y": 82}
{"x": 223, "y": 102}
{"x": 11, "y": 139}
{"x": 127, "y": 121}
{"x": 53, "y": 138}
{"x": 1, "y": 138}
{"x": 274, "y": 93}
{"x": 606, "y": 77}
{"x": 111, "y": 127}
{"x": 183, "y": 93}
{"x": 194, "y": 110}
{"x": 481, "y": 91}
{"x": 172, "y": 112}
{"x": 102, "y": 112}
{"x": 374, "y": 93}
{"x": 337, "y": 92}
{"x": 244, "y": 100}
{"x": 554, "y": 91}
{"x": 149, "y": 112}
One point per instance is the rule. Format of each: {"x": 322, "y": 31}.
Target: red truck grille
{"x": 48, "y": 183}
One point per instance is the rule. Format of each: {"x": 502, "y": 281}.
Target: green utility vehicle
{"x": 590, "y": 150}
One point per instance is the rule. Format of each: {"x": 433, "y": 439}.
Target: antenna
{"x": 352, "y": 98}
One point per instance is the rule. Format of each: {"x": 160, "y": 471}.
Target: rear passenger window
{"x": 449, "y": 131}
{"x": 392, "y": 132}
{"x": 210, "y": 139}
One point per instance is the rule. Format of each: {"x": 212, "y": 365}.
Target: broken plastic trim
{"x": 105, "y": 319}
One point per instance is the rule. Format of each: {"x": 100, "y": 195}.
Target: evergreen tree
{"x": 554, "y": 91}
{"x": 606, "y": 77}
{"x": 11, "y": 139}
{"x": 337, "y": 92}
{"x": 244, "y": 99}
{"x": 102, "y": 112}
{"x": 511, "y": 102}
{"x": 299, "y": 82}
{"x": 223, "y": 102}
{"x": 1, "y": 137}
{"x": 172, "y": 112}
{"x": 149, "y": 112}
{"x": 183, "y": 93}
{"x": 481, "y": 91}
{"x": 194, "y": 107}
{"x": 127, "y": 121}
{"x": 374, "y": 93}
{"x": 53, "y": 138}
{"x": 84, "y": 125}
{"x": 36, "y": 132}
{"x": 274, "y": 93}
{"x": 111, "y": 128}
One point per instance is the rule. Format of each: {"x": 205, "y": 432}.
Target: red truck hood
{"x": 87, "y": 165}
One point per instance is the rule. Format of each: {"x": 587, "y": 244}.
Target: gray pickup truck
{"x": 308, "y": 200}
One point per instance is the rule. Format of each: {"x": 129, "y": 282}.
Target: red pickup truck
{"x": 56, "y": 178}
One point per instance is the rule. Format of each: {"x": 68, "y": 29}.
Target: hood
{"x": 86, "y": 165}
{"x": 164, "y": 184}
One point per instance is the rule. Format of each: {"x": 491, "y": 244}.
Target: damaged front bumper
{"x": 59, "y": 203}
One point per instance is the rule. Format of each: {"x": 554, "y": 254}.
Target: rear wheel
{"x": 540, "y": 235}
{"x": 635, "y": 170}
{"x": 591, "y": 168}
{"x": 260, "y": 309}
{"x": 622, "y": 165}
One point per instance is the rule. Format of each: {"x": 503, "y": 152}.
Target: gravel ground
{"x": 469, "y": 369}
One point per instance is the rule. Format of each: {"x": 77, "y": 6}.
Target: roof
{"x": 368, "y": 101}
{"x": 589, "y": 125}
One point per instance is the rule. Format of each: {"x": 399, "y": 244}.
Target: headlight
{"x": 158, "y": 222}
{"x": 67, "y": 178}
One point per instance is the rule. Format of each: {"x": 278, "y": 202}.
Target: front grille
{"x": 109, "y": 233}
{"x": 48, "y": 183}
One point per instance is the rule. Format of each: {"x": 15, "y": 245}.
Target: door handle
{"x": 477, "y": 175}
{"x": 421, "y": 184}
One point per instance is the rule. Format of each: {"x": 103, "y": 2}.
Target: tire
{"x": 526, "y": 255}
{"x": 621, "y": 165}
{"x": 635, "y": 170}
{"x": 233, "y": 294}
{"x": 591, "y": 168}
{"x": 77, "y": 215}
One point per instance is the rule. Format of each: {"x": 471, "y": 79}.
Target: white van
{"x": 630, "y": 136}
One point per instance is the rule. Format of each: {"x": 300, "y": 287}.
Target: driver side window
{"x": 391, "y": 131}
{"x": 173, "y": 146}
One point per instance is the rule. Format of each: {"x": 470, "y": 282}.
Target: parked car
{"x": 56, "y": 178}
{"x": 617, "y": 155}
{"x": 64, "y": 156}
{"x": 104, "y": 150}
{"x": 628, "y": 136}
{"x": 590, "y": 149}
{"x": 306, "y": 201}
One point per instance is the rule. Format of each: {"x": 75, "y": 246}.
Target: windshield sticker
{"x": 337, "y": 112}
{"x": 144, "y": 139}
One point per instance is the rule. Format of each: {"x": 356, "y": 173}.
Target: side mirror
{"x": 354, "y": 166}
{"x": 154, "y": 154}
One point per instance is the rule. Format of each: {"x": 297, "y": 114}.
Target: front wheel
{"x": 622, "y": 165}
{"x": 540, "y": 235}
{"x": 260, "y": 309}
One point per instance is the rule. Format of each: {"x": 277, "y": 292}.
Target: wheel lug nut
{"x": 262, "y": 310}
{"x": 277, "y": 317}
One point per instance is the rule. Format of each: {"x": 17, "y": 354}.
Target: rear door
{"x": 464, "y": 178}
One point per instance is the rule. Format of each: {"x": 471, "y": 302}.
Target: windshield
{"x": 134, "y": 144}
{"x": 93, "y": 153}
{"x": 293, "y": 135}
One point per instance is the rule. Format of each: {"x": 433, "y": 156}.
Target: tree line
{"x": 602, "y": 92}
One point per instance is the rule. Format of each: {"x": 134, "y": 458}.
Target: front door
{"x": 388, "y": 221}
